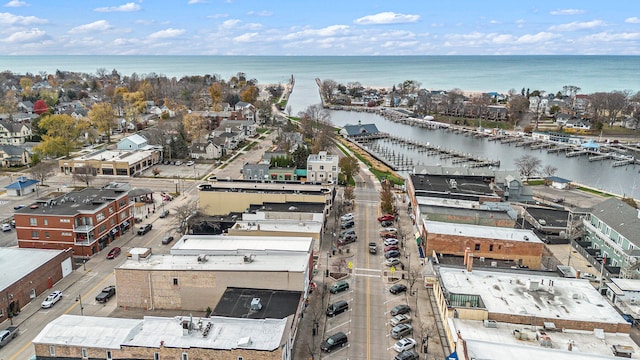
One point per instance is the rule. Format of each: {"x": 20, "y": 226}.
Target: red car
{"x": 391, "y": 247}
{"x": 386, "y": 217}
{"x": 113, "y": 253}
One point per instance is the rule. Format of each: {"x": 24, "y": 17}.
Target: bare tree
{"x": 414, "y": 275}
{"x": 517, "y": 107}
{"x": 85, "y": 174}
{"x": 42, "y": 171}
{"x": 182, "y": 215}
{"x": 549, "y": 170}
{"x": 528, "y": 165}
{"x": 327, "y": 88}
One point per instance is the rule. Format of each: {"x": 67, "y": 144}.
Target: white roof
{"x": 293, "y": 263}
{"x": 479, "y": 231}
{"x": 89, "y": 331}
{"x": 627, "y": 284}
{"x": 18, "y": 263}
{"x": 240, "y": 245}
{"x": 112, "y": 333}
{"x": 280, "y": 225}
{"x": 507, "y": 293}
{"x": 224, "y": 333}
{"x": 129, "y": 156}
{"x": 500, "y": 344}
{"x": 136, "y": 139}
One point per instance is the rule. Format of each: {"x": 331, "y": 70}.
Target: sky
{"x": 312, "y": 28}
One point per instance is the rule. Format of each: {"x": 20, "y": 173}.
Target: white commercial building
{"x": 322, "y": 167}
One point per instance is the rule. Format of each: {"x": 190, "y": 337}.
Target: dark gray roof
{"x": 621, "y": 217}
{"x": 276, "y": 304}
{"x": 12, "y": 150}
{"x": 69, "y": 204}
{"x": 289, "y": 206}
{"x": 361, "y": 129}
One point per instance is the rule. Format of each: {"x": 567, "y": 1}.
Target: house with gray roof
{"x": 11, "y": 155}
{"x": 359, "y": 130}
{"x": 13, "y": 132}
{"x": 612, "y": 238}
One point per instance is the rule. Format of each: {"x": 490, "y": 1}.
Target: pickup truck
{"x": 106, "y": 294}
{"x": 373, "y": 248}
{"x": 7, "y": 335}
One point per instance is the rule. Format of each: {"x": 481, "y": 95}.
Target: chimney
{"x": 466, "y": 253}
{"x": 577, "y": 274}
{"x": 470, "y": 262}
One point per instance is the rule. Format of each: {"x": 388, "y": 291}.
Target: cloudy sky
{"x": 328, "y": 27}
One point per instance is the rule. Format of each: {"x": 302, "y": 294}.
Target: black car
{"x": 106, "y": 294}
{"x": 397, "y": 289}
{"x": 164, "y": 214}
{"x": 407, "y": 355}
{"x": 400, "y": 309}
{"x": 392, "y": 254}
{"x": 386, "y": 223}
{"x": 144, "y": 229}
{"x": 334, "y": 341}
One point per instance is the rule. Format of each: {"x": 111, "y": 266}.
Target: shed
{"x": 22, "y": 187}
{"x": 557, "y": 182}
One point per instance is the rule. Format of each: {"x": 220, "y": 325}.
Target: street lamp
{"x": 176, "y": 182}
{"x": 79, "y": 298}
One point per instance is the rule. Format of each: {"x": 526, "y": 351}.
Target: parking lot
{"x": 195, "y": 171}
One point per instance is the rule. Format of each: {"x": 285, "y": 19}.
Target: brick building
{"x": 33, "y": 271}
{"x": 86, "y": 221}
{"x": 246, "y": 324}
{"x": 487, "y": 243}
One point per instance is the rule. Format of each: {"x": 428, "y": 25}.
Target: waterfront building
{"x": 322, "y": 167}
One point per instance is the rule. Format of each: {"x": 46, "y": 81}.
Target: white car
{"x": 392, "y": 262}
{"x": 190, "y": 163}
{"x": 346, "y": 217}
{"x": 390, "y": 241}
{"x": 404, "y": 344}
{"x": 53, "y": 298}
{"x": 6, "y": 227}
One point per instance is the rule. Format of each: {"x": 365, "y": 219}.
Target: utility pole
{"x": 79, "y": 298}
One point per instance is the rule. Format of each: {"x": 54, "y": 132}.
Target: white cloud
{"x": 387, "y": 18}
{"x": 494, "y": 22}
{"x": 96, "y": 26}
{"x": 577, "y": 25}
{"x": 567, "y": 12}
{"x": 167, "y": 33}
{"x": 607, "y": 36}
{"x": 122, "y": 8}
{"x": 260, "y": 13}
{"x": 16, "y": 3}
{"x": 332, "y": 30}
{"x": 217, "y": 16}
{"x": 191, "y": 2}
{"x": 247, "y": 37}
{"x": 632, "y": 20}
{"x": 11, "y": 19}
{"x": 228, "y": 24}
{"x": 25, "y": 36}
{"x": 536, "y": 38}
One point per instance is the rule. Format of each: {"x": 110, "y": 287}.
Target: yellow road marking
{"x": 368, "y": 292}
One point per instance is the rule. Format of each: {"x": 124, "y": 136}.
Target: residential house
{"x": 25, "y": 106}
{"x": 133, "y": 142}
{"x": 579, "y": 124}
{"x": 630, "y": 123}
{"x": 86, "y": 221}
{"x": 11, "y": 155}
{"x": 322, "y": 167}
{"x": 247, "y": 110}
{"x": 206, "y": 151}
{"x": 14, "y": 133}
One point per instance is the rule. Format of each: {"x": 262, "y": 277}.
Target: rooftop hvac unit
{"x": 202, "y": 258}
{"x": 256, "y": 304}
{"x": 494, "y": 264}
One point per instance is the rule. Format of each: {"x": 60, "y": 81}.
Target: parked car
{"x": 113, "y": 253}
{"x": 400, "y": 309}
{"x": 388, "y": 232}
{"x": 407, "y": 355}
{"x": 373, "y": 248}
{"x": 6, "y": 227}
{"x": 343, "y": 233}
{"x": 392, "y": 262}
{"x": 404, "y": 344}
{"x": 386, "y": 223}
{"x": 144, "y": 229}
{"x": 391, "y": 247}
{"x": 164, "y": 214}
{"x": 346, "y": 217}
{"x": 397, "y": 289}
{"x": 392, "y": 254}
{"x": 347, "y": 224}
{"x": 167, "y": 239}
{"x": 18, "y": 207}
{"x": 7, "y": 335}
{"x": 339, "y": 287}
{"x": 390, "y": 241}
{"x": 348, "y": 239}
{"x": 13, "y": 222}
{"x": 53, "y": 298}
{"x": 334, "y": 341}
{"x": 106, "y": 294}
{"x": 400, "y": 319}
{"x": 190, "y": 163}
{"x": 337, "y": 308}
{"x": 400, "y": 331}
{"x": 386, "y": 217}
{"x": 178, "y": 163}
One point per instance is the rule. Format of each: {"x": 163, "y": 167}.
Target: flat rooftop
{"x": 296, "y": 207}
{"x": 479, "y": 231}
{"x": 552, "y": 218}
{"x": 500, "y": 344}
{"x": 18, "y": 263}
{"x": 237, "y": 185}
{"x": 454, "y": 184}
{"x": 241, "y": 245}
{"x": 444, "y": 211}
{"x": 293, "y": 263}
{"x": 128, "y": 156}
{"x": 276, "y": 304}
{"x": 506, "y": 293}
{"x": 112, "y": 333}
{"x": 86, "y": 200}
{"x": 312, "y": 227}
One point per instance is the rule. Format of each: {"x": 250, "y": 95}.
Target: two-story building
{"x": 14, "y": 133}
{"x": 86, "y": 221}
{"x": 322, "y": 167}
{"x": 612, "y": 239}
